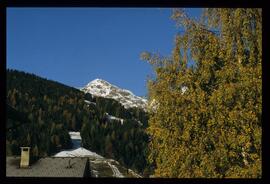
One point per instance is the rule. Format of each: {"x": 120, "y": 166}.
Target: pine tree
{"x": 108, "y": 146}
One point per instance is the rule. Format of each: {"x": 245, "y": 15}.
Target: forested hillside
{"x": 41, "y": 112}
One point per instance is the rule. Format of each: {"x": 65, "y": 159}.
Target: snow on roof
{"x": 79, "y": 152}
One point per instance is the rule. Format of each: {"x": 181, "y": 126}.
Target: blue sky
{"x": 76, "y": 45}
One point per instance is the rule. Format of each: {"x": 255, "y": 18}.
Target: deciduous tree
{"x": 207, "y": 121}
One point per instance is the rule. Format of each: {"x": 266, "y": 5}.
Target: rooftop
{"x": 49, "y": 167}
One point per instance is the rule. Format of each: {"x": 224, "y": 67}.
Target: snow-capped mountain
{"x": 102, "y": 88}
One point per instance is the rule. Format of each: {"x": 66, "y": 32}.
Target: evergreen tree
{"x": 44, "y": 111}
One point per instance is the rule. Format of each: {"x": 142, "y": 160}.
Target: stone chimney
{"x": 25, "y": 157}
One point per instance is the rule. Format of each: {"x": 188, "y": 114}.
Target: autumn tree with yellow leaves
{"x": 205, "y": 119}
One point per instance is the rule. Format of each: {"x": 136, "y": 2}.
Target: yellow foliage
{"x": 213, "y": 128}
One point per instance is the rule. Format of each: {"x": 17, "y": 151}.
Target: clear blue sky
{"x": 76, "y": 45}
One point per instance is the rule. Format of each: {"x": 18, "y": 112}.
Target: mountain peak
{"x": 98, "y": 81}
{"x": 102, "y": 88}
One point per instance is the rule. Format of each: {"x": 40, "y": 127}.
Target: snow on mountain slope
{"x": 110, "y": 117}
{"x": 88, "y": 102}
{"x": 102, "y": 88}
{"x": 75, "y": 135}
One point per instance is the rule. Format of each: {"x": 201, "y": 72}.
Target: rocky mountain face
{"x": 102, "y": 88}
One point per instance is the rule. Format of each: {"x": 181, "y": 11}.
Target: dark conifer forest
{"x": 41, "y": 112}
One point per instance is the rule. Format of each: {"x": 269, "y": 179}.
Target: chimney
{"x": 25, "y": 157}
